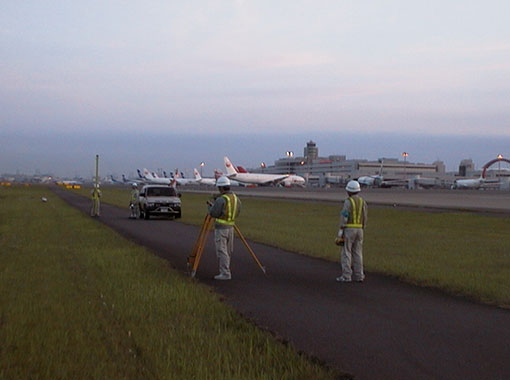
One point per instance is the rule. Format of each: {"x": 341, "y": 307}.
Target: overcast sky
{"x": 172, "y": 83}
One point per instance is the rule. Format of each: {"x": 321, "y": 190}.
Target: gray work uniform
{"x": 224, "y": 233}
{"x": 96, "y": 203}
{"x": 353, "y": 222}
{"x": 133, "y": 204}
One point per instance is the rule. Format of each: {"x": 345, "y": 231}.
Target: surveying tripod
{"x": 198, "y": 248}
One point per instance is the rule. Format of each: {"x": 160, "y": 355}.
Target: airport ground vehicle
{"x": 159, "y": 200}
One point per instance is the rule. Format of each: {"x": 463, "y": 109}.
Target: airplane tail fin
{"x": 139, "y": 173}
{"x": 147, "y": 174}
{"x": 124, "y": 178}
{"x": 228, "y": 165}
{"x": 197, "y": 175}
{"x": 217, "y": 173}
{"x": 240, "y": 169}
{"x": 177, "y": 174}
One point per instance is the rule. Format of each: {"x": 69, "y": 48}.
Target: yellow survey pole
{"x": 96, "y": 180}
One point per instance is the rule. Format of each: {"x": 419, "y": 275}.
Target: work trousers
{"x": 133, "y": 207}
{"x": 352, "y": 254}
{"x": 95, "y": 210}
{"x": 224, "y": 240}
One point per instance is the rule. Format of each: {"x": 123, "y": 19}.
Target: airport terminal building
{"x": 337, "y": 169}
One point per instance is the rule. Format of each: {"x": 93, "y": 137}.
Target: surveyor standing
{"x": 133, "y": 203}
{"x": 225, "y": 209}
{"x": 353, "y": 219}
{"x": 96, "y": 195}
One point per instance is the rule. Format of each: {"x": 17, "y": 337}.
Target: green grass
{"x": 460, "y": 253}
{"x": 79, "y": 301}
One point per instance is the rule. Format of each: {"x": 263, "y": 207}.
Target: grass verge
{"x": 460, "y": 253}
{"x": 79, "y": 301}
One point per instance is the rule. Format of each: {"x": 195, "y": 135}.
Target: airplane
{"x": 372, "y": 180}
{"x": 116, "y": 180}
{"x": 379, "y": 181}
{"x": 204, "y": 181}
{"x": 293, "y": 180}
{"x": 184, "y": 181}
{"x": 472, "y": 183}
{"x": 212, "y": 181}
{"x": 150, "y": 178}
{"x": 253, "y": 178}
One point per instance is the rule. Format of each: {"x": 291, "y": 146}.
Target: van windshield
{"x": 161, "y": 192}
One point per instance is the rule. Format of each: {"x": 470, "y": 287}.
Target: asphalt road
{"x": 381, "y": 329}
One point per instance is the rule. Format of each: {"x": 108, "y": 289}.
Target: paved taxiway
{"x": 491, "y": 201}
{"x": 381, "y": 329}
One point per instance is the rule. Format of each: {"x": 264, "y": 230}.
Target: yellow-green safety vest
{"x": 230, "y": 210}
{"x": 96, "y": 194}
{"x": 356, "y": 215}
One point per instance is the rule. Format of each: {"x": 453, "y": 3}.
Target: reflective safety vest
{"x": 230, "y": 210}
{"x": 356, "y": 215}
{"x": 96, "y": 194}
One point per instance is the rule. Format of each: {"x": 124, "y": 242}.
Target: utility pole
{"x": 96, "y": 179}
{"x": 96, "y": 193}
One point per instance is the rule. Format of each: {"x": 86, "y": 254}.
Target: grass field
{"x": 461, "y": 253}
{"x": 77, "y": 301}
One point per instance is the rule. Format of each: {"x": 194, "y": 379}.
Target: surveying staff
{"x": 133, "y": 203}
{"x": 353, "y": 219}
{"x": 96, "y": 194}
{"x": 225, "y": 209}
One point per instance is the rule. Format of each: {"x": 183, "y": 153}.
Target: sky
{"x": 166, "y": 84}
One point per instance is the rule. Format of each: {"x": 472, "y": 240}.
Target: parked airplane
{"x": 204, "y": 181}
{"x": 379, "y": 181}
{"x": 473, "y": 183}
{"x": 212, "y": 181}
{"x": 294, "y": 180}
{"x": 184, "y": 181}
{"x": 372, "y": 180}
{"x": 253, "y": 178}
{"x": 151, "y": 178}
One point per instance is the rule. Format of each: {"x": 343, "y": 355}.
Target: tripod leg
{"x": 193, "y": 257}
{"x": 249, "y": 249}
{"x": 201, "y": 244}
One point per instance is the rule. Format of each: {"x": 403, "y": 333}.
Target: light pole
{"x": 500, "y": 157}
{"x": 289, "y": 154}
{"x": 405, "y": 154}
{"x": 202, "y": 164}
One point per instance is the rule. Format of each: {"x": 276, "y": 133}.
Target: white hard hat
{"x": 223, "y": 181}
{"x": 353, "y": 187}
{"x": 134, "y": 184}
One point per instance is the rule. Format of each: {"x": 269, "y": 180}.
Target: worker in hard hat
{"x": 133, "y": 203}
{"x": 353, "y": 219}
{"x": 96, "y": 203}
{"x": 225, "y": 209}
